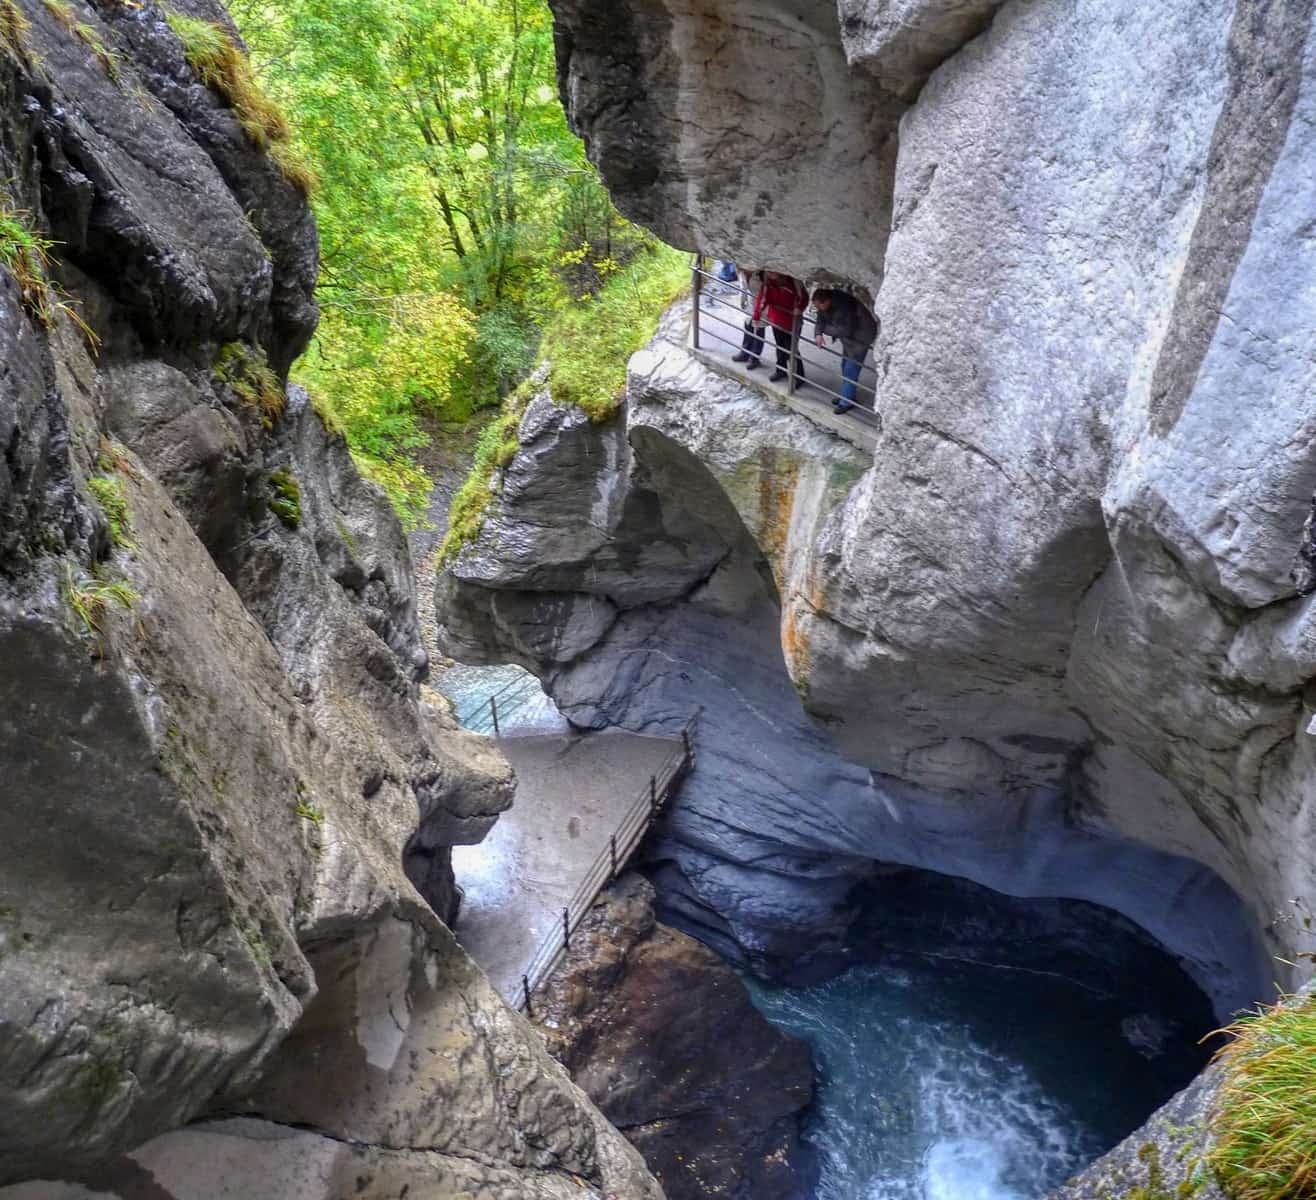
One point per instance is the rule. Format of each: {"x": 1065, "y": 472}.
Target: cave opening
{"x": 970, "y": 1045}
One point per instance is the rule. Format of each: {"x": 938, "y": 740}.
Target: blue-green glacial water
{"x": 960, "y": 1082}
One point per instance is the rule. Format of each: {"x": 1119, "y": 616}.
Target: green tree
{"x": 457, "y": 212}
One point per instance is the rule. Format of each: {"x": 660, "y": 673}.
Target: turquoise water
{"x": 523, "y": 707}
{"x": 974, "y": 1083}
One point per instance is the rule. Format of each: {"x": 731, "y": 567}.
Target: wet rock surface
{"x": 220, "y": 891}
{"x": 663, "y": 1037}
{"x": 1050, "y": 637}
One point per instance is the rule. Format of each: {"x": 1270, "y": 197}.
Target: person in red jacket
{"x": 782, "y": 299}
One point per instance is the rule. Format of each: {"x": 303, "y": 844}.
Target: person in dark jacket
{"x": 751, "y": 346}
{"x": 782, "y": 299}
{"x": 841, "y": 316}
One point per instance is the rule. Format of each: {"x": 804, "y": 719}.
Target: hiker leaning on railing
{"x": 842, "y": 318}
{"x": 724, "y": 311}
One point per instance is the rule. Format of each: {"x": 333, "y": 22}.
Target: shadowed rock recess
{"x": 663, "y": 1036}
{"x": 1055, "y": 635}
{"x": 218, "y": 753}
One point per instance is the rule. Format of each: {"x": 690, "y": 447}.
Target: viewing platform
{"x": 583, "y": 804}
{"x": 716, "y": 333}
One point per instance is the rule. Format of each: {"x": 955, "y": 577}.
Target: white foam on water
{"x": 910, "y": 1107}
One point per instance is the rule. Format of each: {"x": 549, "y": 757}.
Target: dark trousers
{"x": 783, "y": 339}
{"x": 753, "y": 341}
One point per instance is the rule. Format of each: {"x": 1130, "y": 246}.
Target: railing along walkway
{"x": 717, "y": 332}
{"x": 583, "y": 806}
{"x": 489, "y": 715}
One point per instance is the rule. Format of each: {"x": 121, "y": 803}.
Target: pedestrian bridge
{"x": 583, "y": 805}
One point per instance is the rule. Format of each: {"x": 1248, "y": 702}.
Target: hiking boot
{"x": 753, "y": 366}
{"x": 741, "y": 357}
{"x": 776, "y": 376}
{"x": 840, "y": 406}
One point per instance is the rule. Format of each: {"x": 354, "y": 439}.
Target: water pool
{"x": 972, "y": 1082}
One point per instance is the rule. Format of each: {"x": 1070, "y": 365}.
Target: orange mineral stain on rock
{"x": 779, "y": 475}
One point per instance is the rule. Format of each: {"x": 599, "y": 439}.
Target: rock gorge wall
{"x": 218, "y": 751}
{"x": 1057, "y": 630}
{"x": 663, "y": 1036}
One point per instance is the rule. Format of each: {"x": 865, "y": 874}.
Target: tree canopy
{"x": 458, "y": 214}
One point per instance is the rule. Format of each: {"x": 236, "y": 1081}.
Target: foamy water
{"x": 936, "y": 1086}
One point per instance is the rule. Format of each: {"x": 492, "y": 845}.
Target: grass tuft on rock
{"x": 222, "y": 65}
{"x": 1265, "y": 1127}
{"x": 25, "y": 254}
{"x": 246, "y": 372}
{"x": 90, "y": 596}
{"x": 14, "y": 28}
{"x": 109, "y": 493}
{"x": 63, "y": 12}
{"x": 286, "y": 501}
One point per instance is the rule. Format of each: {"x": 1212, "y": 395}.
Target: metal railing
{"x": 717, "y": 298}
{"x": 631, "y": 831}
{"x": 488, "y": 714}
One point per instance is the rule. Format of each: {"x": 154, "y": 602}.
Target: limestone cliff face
{"x": 1051, "y": 636}
{"x": 218, "y": 754}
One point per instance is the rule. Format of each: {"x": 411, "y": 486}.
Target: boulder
{"x": 663, "y": 1037}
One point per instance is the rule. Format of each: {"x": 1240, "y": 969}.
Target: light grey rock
{"x": 774, "y": 828}
{"x": 1162, "y": 1156}
{"x": 737, "y": 127}
{"x": 902, "y": 41}
{"x": 227, "y": 787}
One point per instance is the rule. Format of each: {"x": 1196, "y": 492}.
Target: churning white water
{"x": 972, "y": 1085}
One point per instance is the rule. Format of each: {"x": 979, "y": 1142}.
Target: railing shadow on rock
{"x": 639, "y": 818}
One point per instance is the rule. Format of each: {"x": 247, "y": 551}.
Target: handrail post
{"x": 697, "y": 288}
{"x": 653, "y": 797}
{"x": 792, "y": 381}
{"x": 612, "y": 845}
{"x": 525, "y": 987}
{"x": 685, "y": 740}
{"x": 566, "y": 929}
{"x": 493, "y": 708}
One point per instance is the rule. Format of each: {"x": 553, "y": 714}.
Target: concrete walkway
{"x": 718, "y": 342}
{"x": 572, "y": 792}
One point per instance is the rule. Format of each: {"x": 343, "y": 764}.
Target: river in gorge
{"x": 985, "y": 1048}
{"x": 953, "y": 1081}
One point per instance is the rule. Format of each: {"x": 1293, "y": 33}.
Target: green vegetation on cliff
{"x": 590, "y": 338}
{"x": 1266, "y": 1123}
{"x": 14, "y": 27}
{"x": 463, "y": 233}
{"x": 223, "y": 66}
{"x": 25, "y": 254}
{"x": 585, "y": 348}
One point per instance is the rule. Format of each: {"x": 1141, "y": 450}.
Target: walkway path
{"x": 572, "y": 792}
{"x": 719, "y": 341}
